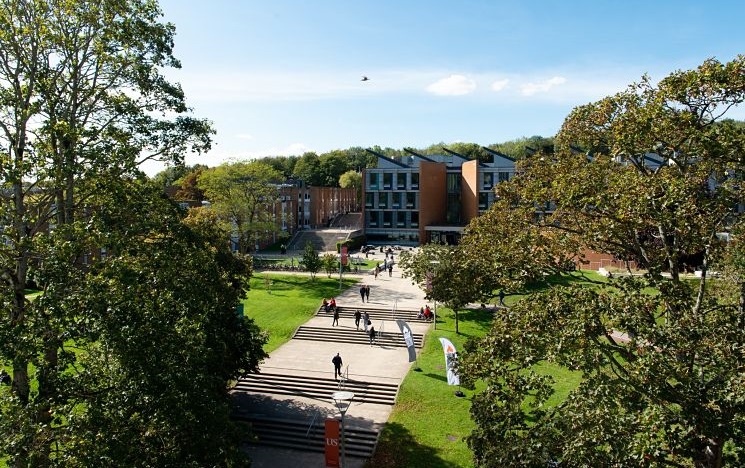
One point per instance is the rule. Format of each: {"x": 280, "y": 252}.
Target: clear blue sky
{"x": 281, "y": 77}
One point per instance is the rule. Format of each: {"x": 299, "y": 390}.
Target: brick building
{"x": 421, "y": 199}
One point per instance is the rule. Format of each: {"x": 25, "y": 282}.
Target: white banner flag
{"x": 450, "y": 355}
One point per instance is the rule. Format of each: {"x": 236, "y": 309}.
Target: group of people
{"x": 425, "y": 313}
{"x": 365, "y": 292}
{"x": 366, "y": 324}
{"x": 386, "y": 265}
{"x": 329, "y": 305}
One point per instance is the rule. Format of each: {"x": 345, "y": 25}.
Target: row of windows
{"x": 391, "y": 181}
{"x": 395, "y": 200}
{"x": 392, "y": 219}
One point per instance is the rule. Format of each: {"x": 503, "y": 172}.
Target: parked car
{"x": 367, "y": 248}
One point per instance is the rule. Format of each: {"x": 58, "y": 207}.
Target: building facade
{"x": 421, "y": 199}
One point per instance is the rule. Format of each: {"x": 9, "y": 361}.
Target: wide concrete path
{"x": 361, "y": 361}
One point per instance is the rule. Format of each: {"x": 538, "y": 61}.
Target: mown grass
{"x": 280, "y": 303}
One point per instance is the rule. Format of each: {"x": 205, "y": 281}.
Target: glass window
{"x": 369, "y": 200}
{"x": 383, "y": 200}
{"x": 397, "y": 197}
{"x": 387, "y": 181}
{"x": 401, "y": 181}
{"x": 414, "y": 219}
{"x": 387, "y": 215}
{"x": 401, "y": 219}
{"x": 373, "y": 218}
{"x": 373, "y": 181}
{"x": 483, "y": 200}
{"x": 453, "y": 182}
{"x": 410, "y": 200}
{"x": 488, "y": 180}
{"x": 504, "y": 176}
{"x": 414, "y": 181}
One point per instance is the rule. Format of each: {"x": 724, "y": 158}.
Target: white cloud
{"x": 529, "y": 89}
{"x": 454, "y": 85}
{"x": 499, "y": 85}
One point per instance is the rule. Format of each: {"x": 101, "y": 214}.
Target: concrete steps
{"x": 314, "y": 387}
{"x": 390, "y": 338}
{"x": 300, "y": 435}
{"x": 375, "y": 314}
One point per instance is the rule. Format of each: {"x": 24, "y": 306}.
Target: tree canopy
{"x": 244, "y": 195}
{"x": 100, "y": 371}
{"x": 656, "y": 182}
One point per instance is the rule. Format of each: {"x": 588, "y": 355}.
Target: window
{"x": 401, "y": 219}
{"x": 488, "y": 180}
{"x": 373, "y": 217}
{"x": 387, "y": 181}
{"x": 387, "y": 215}
{"x": 373, "y": 181}
{"x": 400, "y": 181}
{"x": 397, "y": 197}
{"x": 414, "y": 219}
{"x": 383, "y": 200}
{"x": 369, "y": 200}
{"x": 415, "y": 181}
{"x": 410, "y": 200}
{"x": 483, "y": 200}
{"x": 504, "y": 176}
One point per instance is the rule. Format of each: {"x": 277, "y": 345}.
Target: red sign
{"x": 344, "y": 255}
{"x": 332, "y": 443}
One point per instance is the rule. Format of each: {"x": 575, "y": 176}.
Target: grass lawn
{"x": 280, "y": 303}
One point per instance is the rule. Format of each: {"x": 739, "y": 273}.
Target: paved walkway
{"x": 361, "y": 361}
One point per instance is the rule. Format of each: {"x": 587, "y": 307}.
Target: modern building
{"x": 420, "y": 199}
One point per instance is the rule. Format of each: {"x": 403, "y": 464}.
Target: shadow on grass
{"x": 437, "y": 377}
{"x": 397, "y": 448}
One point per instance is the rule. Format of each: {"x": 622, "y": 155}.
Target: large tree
{"x": 245, "y": 195}
{"x": 82, "y": 103}
{"x": 657, "y": 185}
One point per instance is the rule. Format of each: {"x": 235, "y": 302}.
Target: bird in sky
{"x": 364, "y": 78}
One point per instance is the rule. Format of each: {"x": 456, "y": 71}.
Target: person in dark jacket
{"x": 337, "y": 366}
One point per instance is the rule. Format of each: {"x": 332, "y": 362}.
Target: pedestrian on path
{"x": 336, "y": 318}
{"x": 367, "y": 292}
{"x": 362, "y": 292}
{"x": 357, "y": 318}
{"x": 376, "y": 272}
{"x": 366, "y": 320}
{"x": 390, "y": 269}
{"x": 372, "y": 334}
{"x": 337, "y": 366}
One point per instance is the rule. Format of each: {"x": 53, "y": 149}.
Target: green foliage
{"x": 245, "y": 195}
{"x": 311, "y": 261}
{"x": 330, "y": 263}
{"x": 658, "y": 185}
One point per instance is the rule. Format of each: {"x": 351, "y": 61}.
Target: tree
{"x": 84, "y": 102}
{"x": 307, "y": 169}
{"x": 438, "y": 269}
{"x": 330, "y": 263}
{"x": 352, "y": 179}
{"x": 311, "y": 261}
{"x": 658, "y": 182}
{"x": 245, "y": 194}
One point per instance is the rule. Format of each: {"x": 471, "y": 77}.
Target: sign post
{"x": 331, "y": 437}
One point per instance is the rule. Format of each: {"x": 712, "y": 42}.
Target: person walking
{"x": 390, "y": 269}
{"x": 362, "y": 292}
{"x": 337, "y": 366}
{"x": 366, "y": 320}
{"x": 367, "y": 292}
{"x": 372, "y": 334}
{"x": 357, "y": 318}
{"x": 336, "y": 318}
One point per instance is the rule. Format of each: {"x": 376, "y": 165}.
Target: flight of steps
{"x": 315, "y": 387}
{"x": 375, "y": 314}
{"x": 301, "y": 435}
{"x": 344, "y": 335}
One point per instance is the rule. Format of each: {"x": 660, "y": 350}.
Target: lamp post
{"x": 342, "y": 400}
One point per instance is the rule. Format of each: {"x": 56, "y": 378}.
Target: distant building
{"x": 422, "y": 199}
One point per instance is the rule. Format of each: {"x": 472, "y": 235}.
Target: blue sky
{"x": 281, "y": 77}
